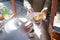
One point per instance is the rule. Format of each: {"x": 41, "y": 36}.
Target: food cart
{"x": 55, "y": 21}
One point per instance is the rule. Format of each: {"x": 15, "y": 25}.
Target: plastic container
{"x": 34, "y": 14}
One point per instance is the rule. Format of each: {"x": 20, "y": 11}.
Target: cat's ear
{"x": 44, "y": 10}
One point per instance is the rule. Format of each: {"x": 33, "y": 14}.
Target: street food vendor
{"x": 38, "y": 6}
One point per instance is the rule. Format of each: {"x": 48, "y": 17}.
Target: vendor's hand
{"x": 28, "y": 28}
{"x": 30, "y": 10}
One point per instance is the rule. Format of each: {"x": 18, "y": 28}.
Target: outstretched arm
{"x": 27, "y": 4}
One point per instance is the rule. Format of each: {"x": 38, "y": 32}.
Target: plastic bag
{"x": 36, "y": 17}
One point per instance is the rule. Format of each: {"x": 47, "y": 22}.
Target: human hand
{"x": 28, "y": 28}
{"x": 30, "y": 10}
